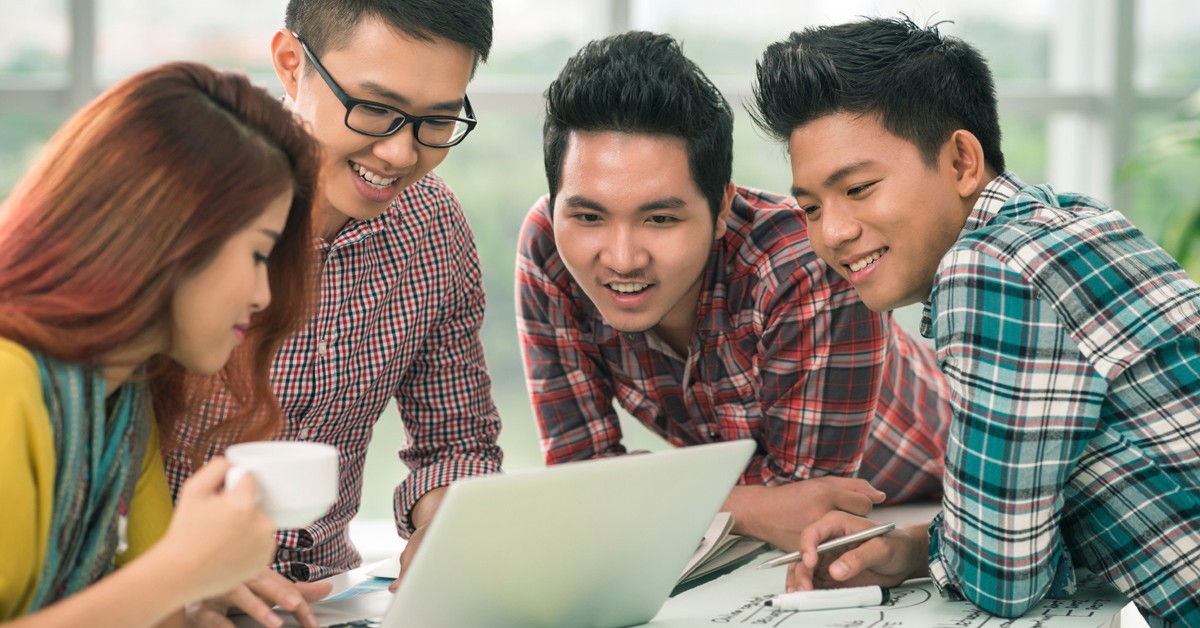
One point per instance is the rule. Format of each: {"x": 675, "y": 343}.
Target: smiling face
{"x": 363, "y": 174}
{"x": 634, "y": 230}
{"x": 877, "y": 212}
{"x": 211, "y": 308}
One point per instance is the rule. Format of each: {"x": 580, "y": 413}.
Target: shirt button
{"x": 323, "y": 348}
{"x": 305, "y": 434}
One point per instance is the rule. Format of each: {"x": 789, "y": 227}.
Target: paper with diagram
{"x": 739, "y": 599}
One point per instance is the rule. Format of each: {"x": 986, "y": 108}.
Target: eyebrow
{"x": 836, "y": 177}
{"x": 273, "y": 234}
{"x": 670, "y": 202}
{"x": 451, "y": 106}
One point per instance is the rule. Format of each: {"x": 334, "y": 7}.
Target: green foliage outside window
{"x": 1169, "y": 165}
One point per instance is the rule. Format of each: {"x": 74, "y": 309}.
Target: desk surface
{"x": 739, "y": 597}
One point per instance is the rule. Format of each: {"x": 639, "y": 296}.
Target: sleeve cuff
{"x": 427, "y": 478}
{"x": 1063, "y": 585}
{"x": 938, "y": 571}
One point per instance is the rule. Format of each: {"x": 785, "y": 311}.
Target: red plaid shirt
{"x": 399, "y": 316}
{"x": 783, "y": 352}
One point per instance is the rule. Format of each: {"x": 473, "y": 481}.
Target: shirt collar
{"x": 987, "y": 207}
{"x": 712, "y": 313}
{"x": 355, "y": 231}
{"x": 990, "y": 201}
{"x": 712, "y": 291}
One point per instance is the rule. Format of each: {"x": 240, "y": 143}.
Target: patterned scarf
{"x": 98, "y": 456}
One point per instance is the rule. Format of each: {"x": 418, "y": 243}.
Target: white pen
{"x": 843, "y": 541}
{"x": 872, "y": 595}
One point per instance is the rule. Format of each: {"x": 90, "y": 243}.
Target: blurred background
{"x": 1096, "y": 96}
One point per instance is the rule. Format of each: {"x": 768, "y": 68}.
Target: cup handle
{"x": 235, "y": 475}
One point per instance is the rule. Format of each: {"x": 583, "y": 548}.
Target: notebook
{"x": 597, "y": 543}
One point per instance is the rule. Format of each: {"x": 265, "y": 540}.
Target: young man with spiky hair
{"x": 646, "y": 277}
{"x": 382, "y": 84}
{"x": 1071, "y": 341}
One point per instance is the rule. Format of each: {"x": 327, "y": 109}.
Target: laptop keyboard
{"x": 361, "y": 623}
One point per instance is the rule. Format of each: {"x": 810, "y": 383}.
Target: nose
{"x": 838, "y": 227}
{"x": 623, "y": 252}
{"x": 261, "y": 297}
{"x": 400, "y": 149}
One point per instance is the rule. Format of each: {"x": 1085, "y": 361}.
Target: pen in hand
{"x": 849, "y": 539}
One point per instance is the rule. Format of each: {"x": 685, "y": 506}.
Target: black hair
{"x": 921, "y": 84}
{"x": 639, "y": 82}
{"x": 327, "y": 24}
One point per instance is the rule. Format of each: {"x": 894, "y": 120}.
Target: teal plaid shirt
{"x": 1072, "y": 345}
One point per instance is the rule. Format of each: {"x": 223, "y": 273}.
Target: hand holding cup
{"x": 298, "y": 481}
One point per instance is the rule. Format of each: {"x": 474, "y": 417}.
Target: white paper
{"x": 386, "y": 568}
{"x": 739, "y": 598}
{"x": 716, "y": 531}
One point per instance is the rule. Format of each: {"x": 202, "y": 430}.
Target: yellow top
{"x": 27, "y": 484}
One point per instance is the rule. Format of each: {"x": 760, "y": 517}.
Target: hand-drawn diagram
{"x": 739, "y": 600}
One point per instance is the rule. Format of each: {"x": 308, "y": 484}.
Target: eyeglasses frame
{"x": 405, "y": 118}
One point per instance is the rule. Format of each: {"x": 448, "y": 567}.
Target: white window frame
{"x": 1089, "y": 116}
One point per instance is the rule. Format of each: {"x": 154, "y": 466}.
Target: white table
{"x": 737, "y": 598}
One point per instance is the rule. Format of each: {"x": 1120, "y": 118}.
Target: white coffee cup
{"x": 297, "y": 481}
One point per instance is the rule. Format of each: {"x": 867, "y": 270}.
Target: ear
{"x": 726, "y": 202}
{"x": 286, "y": 54}
{"x": 970, "y": 170}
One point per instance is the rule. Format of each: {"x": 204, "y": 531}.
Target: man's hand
{"x": 422, "y": 515}
{"x": 886, "y": 560}
{"x": 779, "y": 514}
{"x": 256, "y": 597}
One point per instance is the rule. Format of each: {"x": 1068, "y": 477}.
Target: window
{"x": 1084, "y": 86}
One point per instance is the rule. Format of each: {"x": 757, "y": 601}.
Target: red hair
{"x": 140, "y": 188}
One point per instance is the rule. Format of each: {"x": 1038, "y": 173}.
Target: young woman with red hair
{"x": 134, "y": 284}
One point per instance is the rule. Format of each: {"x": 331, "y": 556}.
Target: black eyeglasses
{"x": 380, "y": 120}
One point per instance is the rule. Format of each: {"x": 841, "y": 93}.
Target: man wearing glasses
{"x": 382, "y": 84}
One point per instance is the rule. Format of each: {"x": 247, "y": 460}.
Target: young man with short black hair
{"x": 1071, "y": 341}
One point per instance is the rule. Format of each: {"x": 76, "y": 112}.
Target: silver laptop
{"x": 598, "y": 543}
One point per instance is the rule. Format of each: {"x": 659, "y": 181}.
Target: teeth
{"x": 372, "y": 178}
{"x": 866, "y": 261}
{"x": 628, "y": 287}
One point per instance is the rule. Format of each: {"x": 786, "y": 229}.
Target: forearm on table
{"x": 746, "y": 504}
{"x": 980, "y": 559}
{"x": 762, "y": 512}
{"x": 779, "y": 514}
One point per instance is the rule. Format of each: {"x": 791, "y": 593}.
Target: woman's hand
{"x": 218, "y": 538}
{"x": 256, "y": 598}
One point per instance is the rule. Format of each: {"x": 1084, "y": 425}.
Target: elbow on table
{"x": 1011, "y": 594}
{"x": 1006, "y": 608}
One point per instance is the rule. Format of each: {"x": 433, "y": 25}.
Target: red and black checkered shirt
{"x": 399, "y": 316}
{"x": 783, "y": 351}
